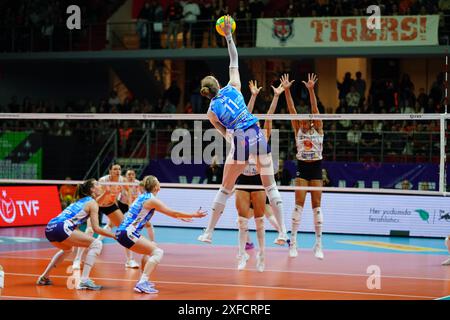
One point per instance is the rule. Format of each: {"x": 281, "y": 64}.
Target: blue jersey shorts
{"x": 58, "y": 232}
{"x": 249, "y": 141}
{"x": 127, "y": 239}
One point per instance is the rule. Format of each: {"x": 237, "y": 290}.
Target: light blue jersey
{"x": 230, "y": 108}
{"x": 74, "y": 213}
{"x": 136, "y": 217}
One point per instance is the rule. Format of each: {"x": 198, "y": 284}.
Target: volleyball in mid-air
{"x": 221, "y": 23}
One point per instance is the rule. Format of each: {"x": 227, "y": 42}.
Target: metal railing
{"x": 135, "y": 34}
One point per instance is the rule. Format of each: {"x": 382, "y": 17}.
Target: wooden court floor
{"x": 205, "y": 272}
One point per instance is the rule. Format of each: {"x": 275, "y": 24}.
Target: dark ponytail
{"x": 84, "y": 190}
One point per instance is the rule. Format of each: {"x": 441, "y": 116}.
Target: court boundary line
{"x": 254, "y": 269}
{"x": 443, "y": 298}
{"x": 239, "y": 285}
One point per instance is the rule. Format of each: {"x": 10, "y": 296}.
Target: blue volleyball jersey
{"x": 74, "y": 213}
{"x": 136, "y": 217}
{"x": 231, "y": 110}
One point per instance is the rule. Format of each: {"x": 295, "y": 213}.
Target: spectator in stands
{"x": 67, "y": 193}
{"x": 326, "y": 180}
{"x": 360, "y": 85}
{"x": 404, "y": 184}
{"x": 406, "y": 107}
{"x": 124, "y": 134}
{"x": 344, "y": 87}
{"x": 114, "y": 100}
{"x": 369, "y": 140}
{"x": 173, "y": 94}
{"x": 243, "y": 15}
{"x": 353, "y": 137}
{"x": 256, "y": 9}
{"x": 218, "y": 11}
{"x": 173, "y": 15}
{"x": 168, "y": 107}
{"x": 303, "y": 107}
{"x": 143, "y": 25}
{"x": 352, "y": 98}
{"x": 283, "y": 176}
{"x": 191, "y": 11}
{"x": 206, "y": 22}
{"x": 214, "y": 172}
{"x": 157, "y": 26}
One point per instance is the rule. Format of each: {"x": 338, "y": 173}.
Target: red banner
{"x": 28, "y": 206}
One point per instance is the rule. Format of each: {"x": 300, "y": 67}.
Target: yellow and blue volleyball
{"x": 221, "y": 23}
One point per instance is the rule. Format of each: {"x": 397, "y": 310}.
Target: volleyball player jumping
{"x": 309, "y": 140}
{"x": 228, "y": 111}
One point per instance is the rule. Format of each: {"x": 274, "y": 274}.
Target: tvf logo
{"x": 9, "y": 208}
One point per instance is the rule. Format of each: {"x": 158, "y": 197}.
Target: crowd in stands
{"x": 47, "y": 18}
{"x": 344, "y": 137}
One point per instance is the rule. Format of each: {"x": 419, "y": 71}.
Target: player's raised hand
{"x": 226, "y": 28}
{"x": 312, "y": 79}
{"x": 253, "y": 85}
{"x": 285, "y": 81}
{"x": 278, "y": 91}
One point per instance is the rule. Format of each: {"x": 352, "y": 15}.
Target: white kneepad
{"x": 157, "y": 255}
{"x": 222, "y": 196}
{"x": 96, "y": 247}
{"x": 273, "y": 194}
{"x": 259, "y": 222}
{"x": 243, "y": 223}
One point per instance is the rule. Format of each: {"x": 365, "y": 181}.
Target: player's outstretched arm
{"x": 273, "y": 106}
{"x": 290, "y": 102}
{"x": 159, "y": 206}
{"x": 312, "y": 79}
{"x": 253, "y": 85}
{"x": 235, "y": 79}
{"x": 92, "y": 208}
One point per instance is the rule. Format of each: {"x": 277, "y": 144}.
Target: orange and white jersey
{"x": 133, "y": 192}
{"x": 112, "y": 191}
{"x": 309, "y": 145}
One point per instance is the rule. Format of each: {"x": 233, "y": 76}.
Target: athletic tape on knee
{"x": 243, "y": 223}
{"x": 259, "y": 222}
{"x": 222, "y": 196}
{"x": 297, "y": 214}
{"x": 156, "y": 256}
{"x": 273, "y": 194}
{"x": 96, "y": 247}
{"x": 318, "y": 217}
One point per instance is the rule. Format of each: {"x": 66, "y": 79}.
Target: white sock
{"x": 318, "y": 221}
{"x": 144, "y": 277}
{"x": 276, "y": 202}
{"x": 92, "y": 253}
{"x": 129, "y": 254}
{"x": 59, "y": 257}
{"x": 296, "y": 219}
{"x": 260, "y": 233}
{"x": 217, "y": 208}
{"x": 243, "y": 231}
